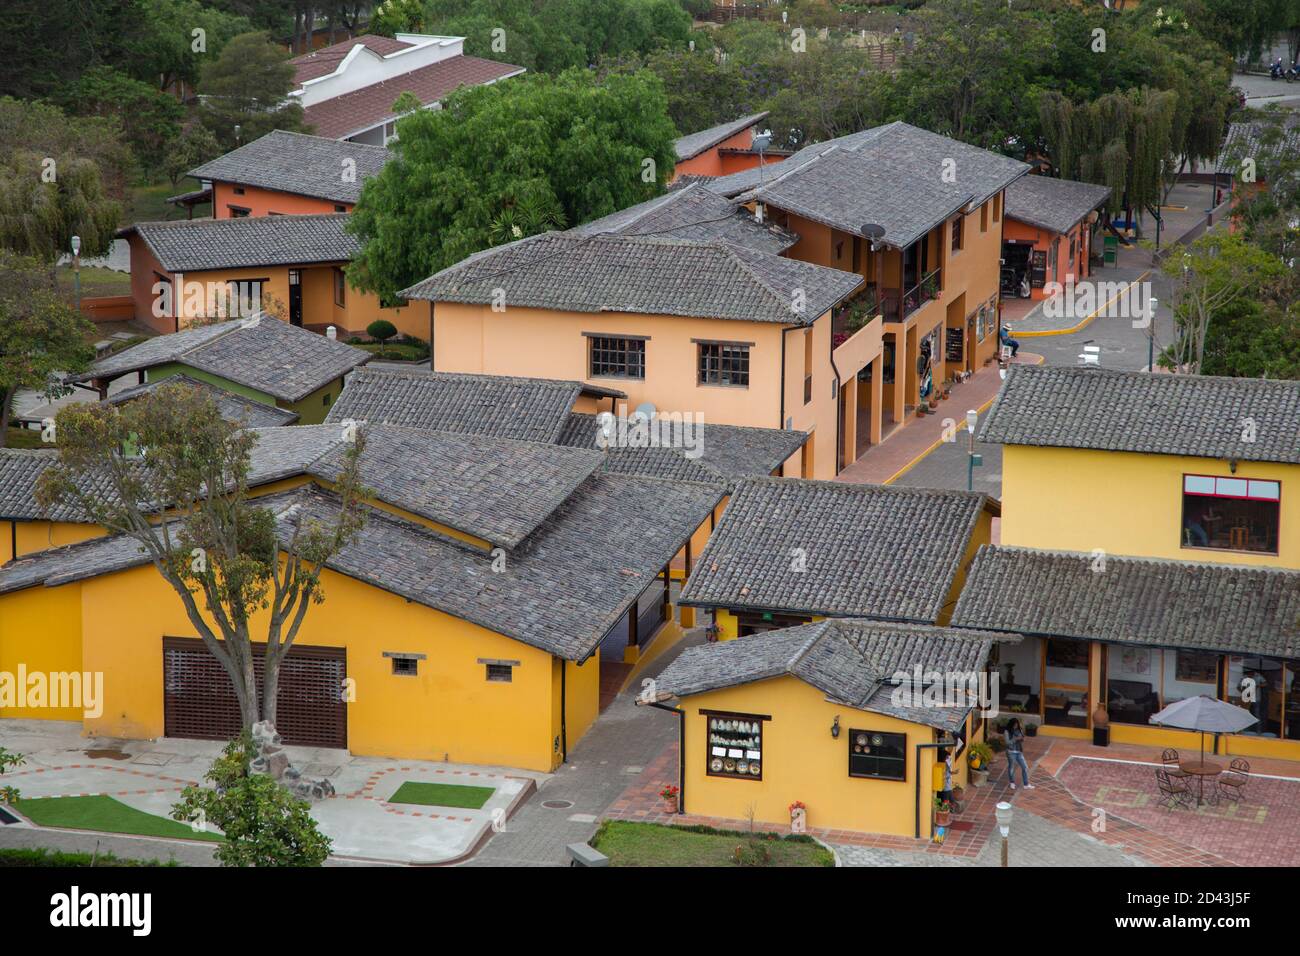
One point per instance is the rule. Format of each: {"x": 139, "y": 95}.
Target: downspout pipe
{"x": 681, "y": 750}
{"x": 564, "y": 711}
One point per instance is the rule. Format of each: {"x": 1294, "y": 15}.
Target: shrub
{"x": 381, "y": 330}
{"x": 56, "y": 858}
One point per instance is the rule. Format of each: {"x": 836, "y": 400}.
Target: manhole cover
{"x": 557, "y": 804}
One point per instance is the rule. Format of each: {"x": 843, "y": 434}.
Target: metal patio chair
{"x": 1174, "y": 791}
{"x": 1231, "y": 784}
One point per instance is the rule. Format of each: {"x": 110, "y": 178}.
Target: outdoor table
{"x": 1200, "y": 769}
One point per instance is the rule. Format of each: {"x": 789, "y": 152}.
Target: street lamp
{"x": 1153, "y": 302}
{"x": 972, "y": 459}
{"x": 1003, "y": 813}
{"x": 76, "y": 267}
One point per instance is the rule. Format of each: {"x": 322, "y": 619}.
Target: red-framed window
{"x": 1231, "y": 514}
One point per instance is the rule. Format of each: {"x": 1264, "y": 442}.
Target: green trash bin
{"x": 1110, "y": 250}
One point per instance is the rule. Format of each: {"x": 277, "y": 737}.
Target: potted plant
{"x": 979, "y": 759}
{"x": 798, "y": 817}
{"x": 942, "y": 811}
{"x": 669, "y": 793}
{"x": 958, "y": 795}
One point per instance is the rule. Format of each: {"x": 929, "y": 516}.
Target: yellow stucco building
{"x": 454, "y": 626}
{"x": 832, "y": 715}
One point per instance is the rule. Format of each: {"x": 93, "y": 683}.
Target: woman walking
{"x": 1016, "y": 754}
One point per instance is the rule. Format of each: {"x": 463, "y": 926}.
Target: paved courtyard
{"x": 361, "y": 819}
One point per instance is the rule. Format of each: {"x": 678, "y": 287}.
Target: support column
{"x": 877, "y": 397}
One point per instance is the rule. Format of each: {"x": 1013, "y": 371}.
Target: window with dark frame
{"x": 735, "y": 746}
{"x": 238, "y": 212}
{"x": 1231, "y": 514}
{"x": 956, "y": 233}
{"x": 406, "y": 666}
{"x": 340, "y": 287}
{"x": 877, "y": 755}
{"x": 723, "y": 364}
{"x": 501, "y": 673}
{"x": 617, "y": 357}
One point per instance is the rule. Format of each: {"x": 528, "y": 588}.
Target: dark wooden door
{"x": 295, "y": 297}
{"x": 199, "y": 701}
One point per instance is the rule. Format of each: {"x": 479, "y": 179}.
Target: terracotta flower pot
{"x": 942, "y": 818}
{"x": 670, "y": 804}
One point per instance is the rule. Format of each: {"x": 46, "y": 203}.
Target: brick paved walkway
{"x": 909, "y": 444}
{"x": 1052, "y": 826}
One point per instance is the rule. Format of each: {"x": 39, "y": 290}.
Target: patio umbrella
{"x": 1206, "y": 715}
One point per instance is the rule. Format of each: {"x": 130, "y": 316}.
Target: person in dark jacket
{"x": 1015, "y": 735}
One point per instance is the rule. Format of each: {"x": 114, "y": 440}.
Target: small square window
{"x": 500, "y": 672}
{"x": 239, "y": 190}
{"x": 325, "y": 399}
{"x": 406, "y": 666}
{"x": 338, "y": 207}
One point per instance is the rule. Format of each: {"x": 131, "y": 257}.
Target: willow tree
{"x": 1123, "y": 140}
{"x": 168, "y": 473}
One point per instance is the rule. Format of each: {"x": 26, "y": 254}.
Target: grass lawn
{"x": 25, "y": 438}
{"x": 149, "y": 203}
{"x": 107, "y": 814}
{"x": 94, "y": 282}
{"x": 650, "y": 844}
{"x": 442, "y": 795}
{"x": 396, "y": 350}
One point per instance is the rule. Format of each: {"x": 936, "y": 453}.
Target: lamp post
{"x": 1153, "y": 302}
{"x": 972, "y": 459}
{"x": 76, "y": 269}
{"x": 1003, "y": 814}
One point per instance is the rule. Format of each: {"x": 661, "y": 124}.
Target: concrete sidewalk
{"x": 149, "y": 776}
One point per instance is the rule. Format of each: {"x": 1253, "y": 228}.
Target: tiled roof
{"x": 20, "y": 469}
{"x": 693, "y": 213}
{"x": 1200, "y": 415}
{"x": 363, "y": 109}
{"x": 692, "y": 144}
{"x": 836, "y": 549}
{"x": 491, "y": 488}
{"x": 301, "y": 164}
{"x": 527, "y": 409}
{"x": 851, "y": 661}
{"x": 1257, "y": 139}
{"x": 318, "y": 63}
{"x": 274, "y": 357}
{"x": 197, "y": 245}
{"x": 725, "y": 452}
{"x": 1053, "y": 204}
{"x": 898, "y": 179}
{"x": 561, "y": 591}
{"x": 890, "y": 176}
{"x": 1230, "y": 608}
{"x": 233, "y": 408}
{"x": 649, "y": 276}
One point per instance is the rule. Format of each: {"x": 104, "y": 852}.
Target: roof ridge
{"x": 780, "y": 300}
{"x": 1213, "y": 566}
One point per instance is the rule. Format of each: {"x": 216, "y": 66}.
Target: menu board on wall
{"x": 955, "y": 345}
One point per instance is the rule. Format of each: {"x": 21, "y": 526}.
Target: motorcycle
{"x": 1276, "y": 71}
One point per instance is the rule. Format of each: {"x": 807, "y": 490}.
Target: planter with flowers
{"x": 981, "y": 755}
{"x": 669, "y": 794}
{"x": 942, "y": 811}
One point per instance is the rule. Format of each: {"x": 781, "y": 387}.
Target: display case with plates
{"x": 735, "y": 746}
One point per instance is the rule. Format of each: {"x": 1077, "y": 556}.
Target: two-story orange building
{"x": 700, "y": 327}
{"x": 289, "y": 174}
{"x": 919, "y": 216}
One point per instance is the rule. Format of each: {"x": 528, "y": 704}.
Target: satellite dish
{"x": 873, "y": 231}
{"x": 645, "y": 411}
{"x": 762, "y": 141}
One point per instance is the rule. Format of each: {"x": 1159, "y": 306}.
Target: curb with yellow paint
{"x": 1087, "y": 320}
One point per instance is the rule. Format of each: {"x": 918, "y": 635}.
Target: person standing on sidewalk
{"x": 1016, "y": 754}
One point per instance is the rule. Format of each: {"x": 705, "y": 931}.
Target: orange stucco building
{"x": 723, "y": 149}
{"x": 289, "y": 174}
{"x": 1048, "y": 236}
{"x": 695, "y": 327}
{"x": 292, "y": 267}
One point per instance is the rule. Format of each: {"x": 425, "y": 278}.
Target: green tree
{"x": 40, "y": 334}
{"x": 398, "y": 16}
{"x": 173, "y": 39}
{"x": 194, "y": 147}
{"x": 247, "y": 87}
{"x": 150, "y": 119}
{"x": 235, "y": 564}
{"x": 263, "y": 823}
{"x": 1252, "y": 339}
{"x": 45, "y": 130}
{"x": 9, "y": 795}
{"x": 1214, "y": 274}
{"x": 581, "y": 147}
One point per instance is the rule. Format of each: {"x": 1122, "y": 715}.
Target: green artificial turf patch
{"x": 106, "y": 814}
{"x": 442, "y": 795}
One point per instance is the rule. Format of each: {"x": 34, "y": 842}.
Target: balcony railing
{"x": 896, "y": 306}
